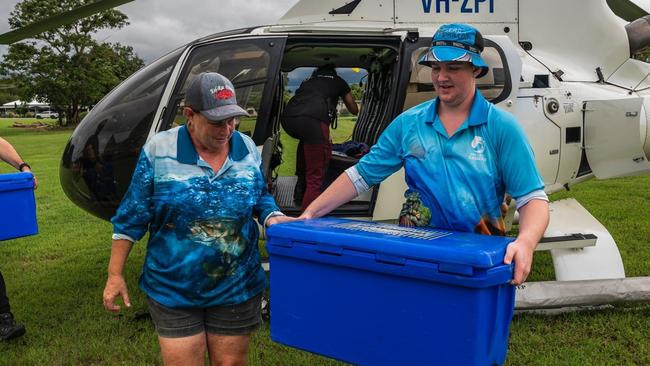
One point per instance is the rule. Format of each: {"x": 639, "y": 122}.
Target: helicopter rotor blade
{"x": 59, "y": 20}
{"x": 629, "y": 10}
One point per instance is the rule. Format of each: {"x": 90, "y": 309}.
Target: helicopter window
{"x": 246, "y": 65}
{"x": 420, "y": 88}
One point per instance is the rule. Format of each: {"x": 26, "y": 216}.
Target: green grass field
{"x": 55, "y": 281}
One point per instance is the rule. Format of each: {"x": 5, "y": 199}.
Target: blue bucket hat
{"x": 213, "y": 95}
{"x": 456, "y": 42}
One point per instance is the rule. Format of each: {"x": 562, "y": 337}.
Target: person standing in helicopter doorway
{"x": 307, "y": 117}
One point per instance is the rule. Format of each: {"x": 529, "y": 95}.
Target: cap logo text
{"x": 222, "y": 92}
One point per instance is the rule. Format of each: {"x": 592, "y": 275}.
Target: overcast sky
{"x": 159, "y": 26}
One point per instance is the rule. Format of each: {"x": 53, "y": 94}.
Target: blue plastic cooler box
{"x": 379, "y": 294}
{"x": 17, "y": 206}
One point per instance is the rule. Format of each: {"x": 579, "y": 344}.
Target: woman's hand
{"x": 280, "y": 219}
{"x": 115, "y": 286}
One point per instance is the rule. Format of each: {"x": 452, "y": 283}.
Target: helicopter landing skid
{"x": 586, "y": 261}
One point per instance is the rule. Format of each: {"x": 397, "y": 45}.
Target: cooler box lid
{"x": 393, "y": 242}
{"x": 12, "y": 181}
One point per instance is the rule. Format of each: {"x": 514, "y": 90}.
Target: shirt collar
{"x": 238, "y": 148}
{"x": 477, "y": 114}
{"x": 186, "y": 152}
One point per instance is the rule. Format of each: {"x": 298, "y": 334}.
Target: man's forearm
{"x": 533, "y": 220}
{"x": 339, "y": 192}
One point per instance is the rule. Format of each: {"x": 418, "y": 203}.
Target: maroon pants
{"x": 312, "y": 161}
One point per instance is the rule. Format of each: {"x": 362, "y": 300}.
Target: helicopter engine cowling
{"x": 638, "y": 34}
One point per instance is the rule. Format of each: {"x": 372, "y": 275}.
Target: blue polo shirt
{"x": 202, "y": 248}
{"x": 455, "y": 182}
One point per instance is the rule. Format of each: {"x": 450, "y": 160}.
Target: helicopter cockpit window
{"x": 246, "y": 65}
{"x": 420, "y": 88}
{"x": 105, "y": 146}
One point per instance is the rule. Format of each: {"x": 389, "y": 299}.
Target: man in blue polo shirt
{"x": 460, "y": 153}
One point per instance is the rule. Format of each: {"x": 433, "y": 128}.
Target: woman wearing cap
{"x": 196, "y": 189}
{"x": 460, "y": 154}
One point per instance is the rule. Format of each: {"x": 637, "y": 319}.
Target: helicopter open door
{"x": 251, "y": 63}
{"x": 368, "y": 62}
{"x": 613, "y": 137}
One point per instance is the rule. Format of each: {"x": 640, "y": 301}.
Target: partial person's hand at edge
{"x": 35, "y": 180}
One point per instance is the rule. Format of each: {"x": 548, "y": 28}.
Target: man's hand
{"x": 533, "y": 220}
{"x": 522, "y": 253}
{"x": 115, "y": 286}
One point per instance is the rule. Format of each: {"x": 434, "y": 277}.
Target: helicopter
{"x": 579, "y": 96}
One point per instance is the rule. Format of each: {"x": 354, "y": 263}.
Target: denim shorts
{"x": 238, "y": 319}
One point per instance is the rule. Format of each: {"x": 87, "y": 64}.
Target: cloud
{"x": 159, "y": 26}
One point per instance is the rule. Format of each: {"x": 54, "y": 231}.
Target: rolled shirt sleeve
{"x": 357, "y": 180}
{"x": 534, "y": 195}
{"x": 122, "y": 237}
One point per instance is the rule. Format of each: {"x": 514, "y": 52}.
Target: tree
{"x": 643, "y": 55}
{"x": 8, "y": 92}
{"x": 66, "y": 66}
{"x": 357, "y": 91}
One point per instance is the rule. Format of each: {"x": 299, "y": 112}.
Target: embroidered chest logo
{"x": 478, "y": 145}
{"x": 478, "y": 148}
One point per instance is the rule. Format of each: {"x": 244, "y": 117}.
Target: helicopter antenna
{"x": 59, "y": 20}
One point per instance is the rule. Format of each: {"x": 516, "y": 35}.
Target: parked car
{"x": 47, "y": 114}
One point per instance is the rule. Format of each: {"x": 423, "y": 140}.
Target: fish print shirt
{"x": 454, "y": 182}
{"x": 202, "y": 248}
